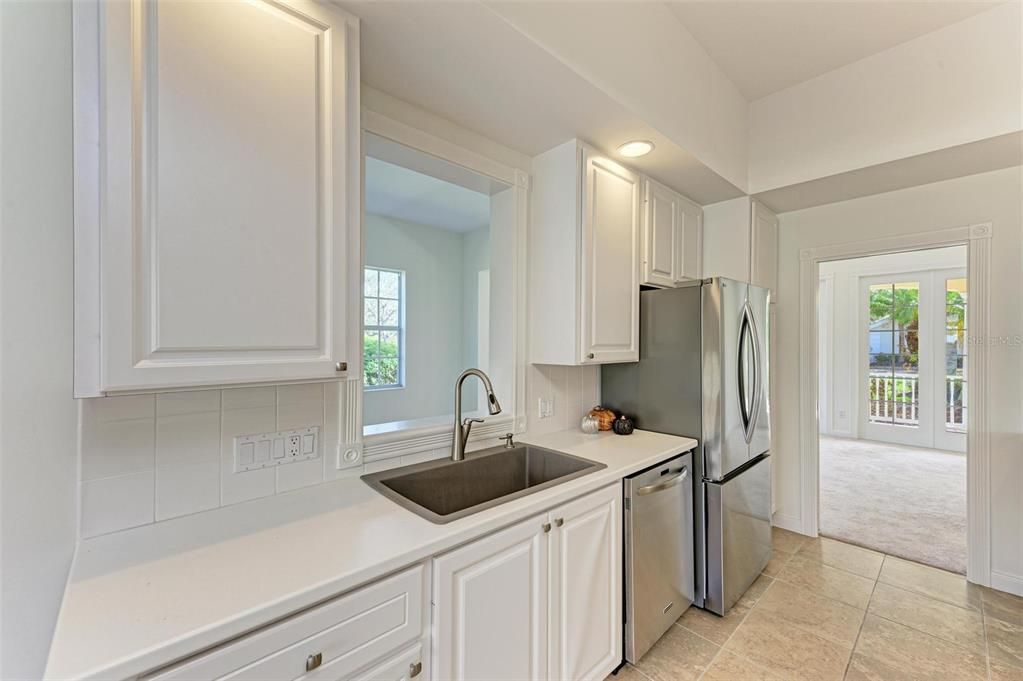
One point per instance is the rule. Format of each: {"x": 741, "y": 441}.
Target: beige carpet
{"x": 905, "y": 501}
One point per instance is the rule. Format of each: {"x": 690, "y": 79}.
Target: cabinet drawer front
{"x": 347, "y": 633}
{"x": 402, "y": 667}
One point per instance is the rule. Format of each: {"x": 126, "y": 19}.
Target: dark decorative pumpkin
{"x": 624, "y": 425}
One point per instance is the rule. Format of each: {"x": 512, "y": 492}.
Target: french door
{"x": 913, "y": 359}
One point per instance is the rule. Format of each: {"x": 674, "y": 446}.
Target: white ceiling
{"x": 764, "y": 47}
{"x": 404, "y": 194}
{"x": 463, "y": 62}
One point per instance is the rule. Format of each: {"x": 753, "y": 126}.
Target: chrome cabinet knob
{"x": 546, "y": 527}
{"x": 341, "y": 366}
{"x": 590, "y": 356}
{"x": 414, "y": 669}
{"x": 559, "y": 521}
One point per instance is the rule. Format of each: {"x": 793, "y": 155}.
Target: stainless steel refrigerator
{"x": 703, "y": 372}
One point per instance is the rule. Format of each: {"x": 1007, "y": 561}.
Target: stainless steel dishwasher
{"x": 659, "y": 570}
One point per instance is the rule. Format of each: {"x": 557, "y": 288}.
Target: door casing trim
{"x": 977, "y": 239}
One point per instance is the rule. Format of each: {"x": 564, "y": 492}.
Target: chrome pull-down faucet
{"x": 462, "y": 428}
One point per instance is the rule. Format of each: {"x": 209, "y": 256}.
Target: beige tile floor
{"x": 824, "y": 610}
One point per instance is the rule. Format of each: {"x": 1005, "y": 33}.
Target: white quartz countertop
{"x": 145, "y": 597}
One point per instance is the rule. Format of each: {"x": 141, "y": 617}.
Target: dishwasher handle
{"x": 667, "y": 483}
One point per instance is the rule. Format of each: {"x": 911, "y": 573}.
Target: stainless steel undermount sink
{"x": 446, "y": 490}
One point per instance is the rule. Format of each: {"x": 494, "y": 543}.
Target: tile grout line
{"x": 721, "y": 648}
{"x": 932, "y": 598}
{"x": 866, "y": 611}
{"x": 987, "y": 644}
{"x": 835, "y": 567}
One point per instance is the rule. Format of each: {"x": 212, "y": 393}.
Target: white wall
{"x": 475, "y": 259}
{"x": 37, "y": 413}
{"x": 995, "y": 197}
{"x": 432, "y": 259}
{"x": 956, "y": 85}
{"x": 840, "y": 360}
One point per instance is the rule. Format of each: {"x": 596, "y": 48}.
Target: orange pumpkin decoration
{"x": 605, "y": 417}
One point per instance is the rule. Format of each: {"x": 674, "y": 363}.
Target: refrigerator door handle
{"x": 748, "y": 404}
{"x": 757, "y": 374}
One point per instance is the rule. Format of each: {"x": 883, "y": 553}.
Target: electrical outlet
{"x": 265, "y": 450}
{"x": 545, "y": 407}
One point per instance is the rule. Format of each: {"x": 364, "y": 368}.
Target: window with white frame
{"x": 383, "y": 328}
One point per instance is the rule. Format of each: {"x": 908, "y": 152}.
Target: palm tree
{"x": 901, "y": 305}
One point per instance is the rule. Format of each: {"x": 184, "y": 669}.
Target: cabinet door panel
{"x": 224, "y": 210}
{"x": 490, "y": 616}
{"x": 211, "y": 187}
{"x": 690, "y": 242}
{"x": 661, "y": 229}
{"x": 764, "y": 248}
{"x": 610, "y": 272}
{"x": 586, "y": 587}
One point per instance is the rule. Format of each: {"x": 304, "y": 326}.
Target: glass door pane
{"x": 893, "y": 341}
{"x": 955, "y": 355}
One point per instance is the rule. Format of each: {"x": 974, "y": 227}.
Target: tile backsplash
{"x": 148, "y": 458}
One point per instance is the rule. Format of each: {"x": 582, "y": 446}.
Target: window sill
{"x": 401, "y": 438}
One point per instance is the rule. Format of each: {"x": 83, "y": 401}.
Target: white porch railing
{"x": 894, "y": 398}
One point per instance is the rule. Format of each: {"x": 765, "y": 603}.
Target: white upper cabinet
{"x": 217, "y": 193}
{"x": 763, "y": 248}
{"x": 740, "y": 241}
{"x": 672, "y": 235}
{"x": 584, "y": 258}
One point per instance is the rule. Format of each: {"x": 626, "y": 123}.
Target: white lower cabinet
{"x": 330, "y": 642}
{"x": 586, "y": 587}
{"x": 539, "y": 600}
{"x": 402, "y": 667}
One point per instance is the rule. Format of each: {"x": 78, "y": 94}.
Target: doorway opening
{"x": 893, "y": 398}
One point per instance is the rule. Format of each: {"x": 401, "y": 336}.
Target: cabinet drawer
{"x": 402, "y": 667}
{"x": 347, "y": 632}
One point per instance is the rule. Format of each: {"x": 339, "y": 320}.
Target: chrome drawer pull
{"x": 414, "y": 669}
{"x": 313, "y": 661}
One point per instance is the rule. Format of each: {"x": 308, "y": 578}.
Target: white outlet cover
{"x": 275, "y": 449}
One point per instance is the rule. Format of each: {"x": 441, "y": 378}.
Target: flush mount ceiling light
{"x": 636, "y": 148}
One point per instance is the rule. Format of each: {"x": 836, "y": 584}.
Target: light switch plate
{"x": 265, "y": 450}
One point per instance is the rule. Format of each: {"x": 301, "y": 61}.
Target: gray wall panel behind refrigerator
{"x": 663, "y": 391}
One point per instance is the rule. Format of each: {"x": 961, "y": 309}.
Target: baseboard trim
{"x": 1005, "y": 582}
{"x": 788, "y": 522}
